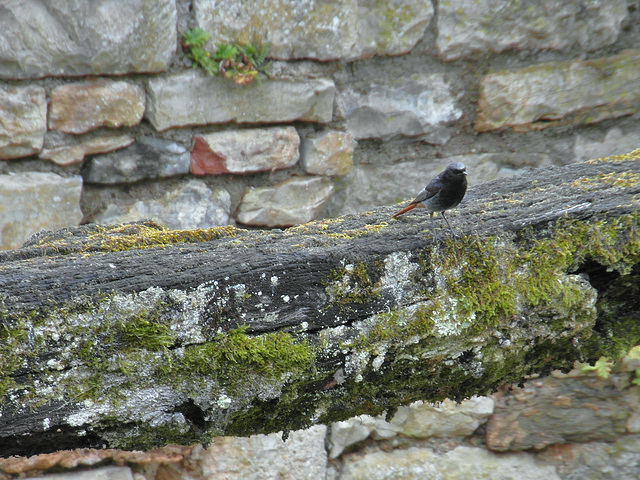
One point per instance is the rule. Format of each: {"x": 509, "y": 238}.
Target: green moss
{"x": 144, "y": 436}
{"x": 483, "y": 283}
{"x": 350, "y": 284}
{"x": 142, "y": 332}
{"x": 11, "y": 336}
{"x": 118, "y": 348}
{"x": 292, "y": 410}
{"x": 231, "y": 356}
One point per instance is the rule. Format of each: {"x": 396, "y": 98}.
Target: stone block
{"x": 186, "y": 206}
{"x": 34, "y": 201}
{"x": 81, "y": 107}
{"x": 372, "y": 185}
{"x": 193, "y": 98}
{"x": 294, "y": 201}
{"x": 391, "y": 27}
{"x": 460, "y": 463}
{"x": 421, "y": 106}
{"x": 261, "y": 457}
{"x": 101, "y": 473}
{"x": 40, "y": 38}
{"x": 245, "y": 151}
{"x": 349, "y": 432}
{"x": 446, "y": 419}
{"x": 23, "y": 120}
{"x": 148, "y": 158}
{"x": 69, "y": 154}
{"x": 557, "y": 410}
{"x": 493, "y": 26}
{"x": 551, "y": 94}
{"x": 328, "y": 153}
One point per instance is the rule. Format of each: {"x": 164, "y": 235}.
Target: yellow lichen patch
{"x": 311, "y": 227}
{"x": 634, "y": 155}
{"x": 353, "y": 233}
{"x": 147, "y": 235}
{"x": 321, "y": 227}
{"x": 613, "y": 179}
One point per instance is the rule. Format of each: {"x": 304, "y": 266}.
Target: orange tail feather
{"x": 406, "y": 209}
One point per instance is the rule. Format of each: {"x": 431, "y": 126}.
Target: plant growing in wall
{"x": 239, "y": 62}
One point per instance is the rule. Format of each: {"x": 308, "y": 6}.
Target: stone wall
{"x": 102, "y": 118}
{"x": 579, "y": 425}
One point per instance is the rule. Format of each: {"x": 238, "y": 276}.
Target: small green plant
{"x": 602, "y": 367}
{"x": 239, "y": 62}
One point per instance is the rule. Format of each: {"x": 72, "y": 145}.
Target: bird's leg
{"x": 433, "y": 228}
{"x": 449, "y": 225}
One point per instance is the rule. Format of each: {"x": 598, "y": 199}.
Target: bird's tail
{"x": 406, "y": 209}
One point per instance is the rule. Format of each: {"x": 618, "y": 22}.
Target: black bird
{"x": 444, "y": 192}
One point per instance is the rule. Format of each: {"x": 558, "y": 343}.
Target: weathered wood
{"x": 228, "y": 331}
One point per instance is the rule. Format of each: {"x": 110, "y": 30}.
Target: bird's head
{"x": 457, "y": 168}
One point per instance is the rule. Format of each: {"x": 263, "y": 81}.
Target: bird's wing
{"x": 429, "y": 191}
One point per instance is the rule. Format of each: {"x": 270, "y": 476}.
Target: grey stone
{"x": 560, "y": 409}
{"x": 34, "y": 201}
{"x": 619, "y": 460}
{"x": 461, "y": 463}
{"x": 75, "y": 152}
{"x": 446, "y": 419}
{"x": 411, "y": 463}
{"x": 83, "y": 106}
{"x": 190, "y": 205}
{"x": 23, "y": 120}
{"x": 349, "y": 432}
{"x": 418, "y": 106}
{"x": 260, "y": 457}
{"x": 391, "y": 27}
{"x": 40, "y": 38}
{"x": 328, "y": 153}
{"x": 493, "y": 26}
{"x": 148, "y": 158}
{"x": 418, "y": 420}
{"x": 103, "y": 473}
{"x": 294, "y": 201}
{"x": 245, "y": 151}
{"x": 615, "y": 142}
{"x": 356, "y": 429}
{"x": 193, "y": 98}
{"x": 551, "y": 94}
{"x": 319, "y": 29}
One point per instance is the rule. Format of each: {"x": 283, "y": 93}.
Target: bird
{"x": 444, "y": 192}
